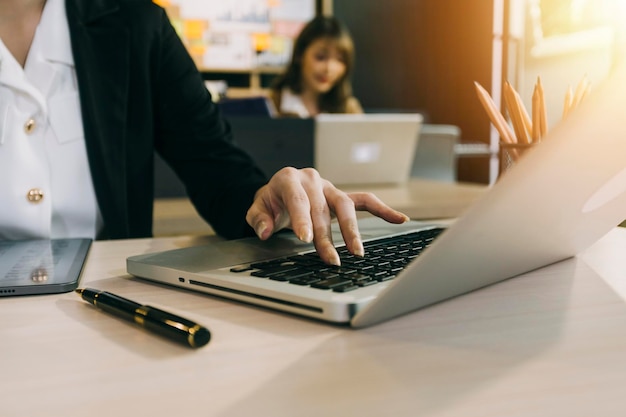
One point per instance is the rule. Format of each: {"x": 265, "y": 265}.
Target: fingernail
{"x": 357, "y": 246}
{"x": 334, "y": 260}
{"x": 306, "y": 235}
{"x": 260, "y": 229}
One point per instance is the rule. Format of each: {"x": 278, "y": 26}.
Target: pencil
{"x": 515, "y": 114}
{"x": 499, "y": 122}
{"x": 567, "y": 105}
{"x": 536, "y": 112}
{"x": 543, "y": 120}
{"x": 580, "y": 91}
{"x": 528, "y": 124}
{"x": 586, "y": 91}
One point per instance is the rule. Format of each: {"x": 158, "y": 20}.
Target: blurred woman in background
{"x": 317, "y": 79}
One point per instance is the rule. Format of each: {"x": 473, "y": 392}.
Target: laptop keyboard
{"x": 384, "y": 259}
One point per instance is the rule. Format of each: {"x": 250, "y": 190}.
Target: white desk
{"x": 552, "y": 343}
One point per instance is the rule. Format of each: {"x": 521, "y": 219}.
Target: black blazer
{"x": 140, "y": 92}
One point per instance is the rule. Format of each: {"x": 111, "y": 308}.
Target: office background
{"x": 424, "y": 55}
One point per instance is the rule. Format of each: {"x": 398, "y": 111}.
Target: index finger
{"x": 371, "y": 203}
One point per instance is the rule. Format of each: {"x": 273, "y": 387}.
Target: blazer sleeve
{"x": 193, "y": 137}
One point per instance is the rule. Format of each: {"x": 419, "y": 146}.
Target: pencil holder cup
{"x": 510, "y": 154}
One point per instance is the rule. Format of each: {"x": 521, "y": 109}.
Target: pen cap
{"x": 173, "y": 327}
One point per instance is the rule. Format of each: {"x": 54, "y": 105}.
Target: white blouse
{"x": 291, "y": 103}
{"x": 45, "y": 183}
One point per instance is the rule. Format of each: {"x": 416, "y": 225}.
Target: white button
{"x": 29, "y": 126}
{"x": 34, "y": 195}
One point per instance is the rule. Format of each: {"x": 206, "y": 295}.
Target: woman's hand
{"x": 303, "y": 201}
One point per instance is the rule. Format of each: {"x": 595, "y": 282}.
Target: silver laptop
{"x": 366, "y": 148}
{"x": 560, "y": 198}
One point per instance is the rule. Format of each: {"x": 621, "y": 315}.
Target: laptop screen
{"x": 275, "y": 143}
{"x": 366, "y": 148}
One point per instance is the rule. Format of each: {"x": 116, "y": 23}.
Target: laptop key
{"x": 276, "y": 263}
{"x": 342, "y": 270}
{"x": 346, "y": 288}
{"x": 359, "y": 277}
{"x": 331, "y": 283}
{"x": 383, "y": 278}
{"x": 238, "y": 269}
{"x": 324, "y": 275}
{"x": 289, "y": 275}
{"x": 265, "y": 273}
{"x": 308, "y": 280}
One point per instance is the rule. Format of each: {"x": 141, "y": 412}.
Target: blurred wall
{"x": 425, "y": 55}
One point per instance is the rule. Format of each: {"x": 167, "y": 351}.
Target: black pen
{"x": 166, "y": 324}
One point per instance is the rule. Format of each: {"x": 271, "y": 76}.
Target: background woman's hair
{"x": 321, "y": 27}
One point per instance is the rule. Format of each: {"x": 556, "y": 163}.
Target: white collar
{"x": 54, "y": 35}
{"x": 291, "y": 103}
{"x": 55, "y": 42}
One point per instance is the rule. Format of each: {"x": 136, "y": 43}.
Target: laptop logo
{"x": 365, "y": 152}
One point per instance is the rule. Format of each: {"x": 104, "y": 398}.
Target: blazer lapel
{"x": 101, "y": 54}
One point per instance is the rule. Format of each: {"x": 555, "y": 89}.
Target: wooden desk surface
{"x": 424, "y": 199}
{"x": 419, "y": 199}
{"x": 551, "y": 343}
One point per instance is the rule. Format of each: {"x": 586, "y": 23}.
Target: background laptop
{"x": 275, "y": 143}
{"x": 559, "y": 199}
{"x": 259, "y": 106}
{"x": 366, "y": 148}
